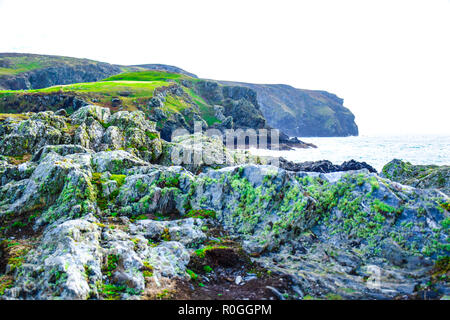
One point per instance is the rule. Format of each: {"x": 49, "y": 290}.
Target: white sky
{"x": 389, "y": 60}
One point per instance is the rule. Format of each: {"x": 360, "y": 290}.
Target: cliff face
{"x": 238, "y": 102}
{"x": 303, "y": 113}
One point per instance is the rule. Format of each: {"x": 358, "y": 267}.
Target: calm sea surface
{"x": 375, "y": 150}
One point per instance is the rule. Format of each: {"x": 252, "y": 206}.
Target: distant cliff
{"x": 303, "y": 113}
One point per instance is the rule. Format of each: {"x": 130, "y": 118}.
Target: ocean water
{"x": 375, "y": 150}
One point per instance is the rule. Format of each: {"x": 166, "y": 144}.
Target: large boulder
{"x": 66, "y": 263}
{"x": 60, "y": 185}
{"x": 91, "y": 111}
{"x": 27, "y": 136}
{"x": 82, "y": 258}
{"x": 419, "y": 176}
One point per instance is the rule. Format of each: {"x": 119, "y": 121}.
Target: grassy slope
{"x": 134, "y": 89}
{"x": 147, "y": 76}
{"x": 107, "y": 88}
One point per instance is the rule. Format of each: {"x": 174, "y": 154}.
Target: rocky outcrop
{"x": 419, "y": 176}
{"x": 91, "y": 219}
{"x": 234, "y": 108}
{"x": 90, "y": 127}
{"x": 73, "y": 253}
{"x": 36, "y": 102}
{"x": 199, "y": 152}
{"x": 351, "y": 235}
{"x": 303, "y": 113}
{"x": 238, "y": 102}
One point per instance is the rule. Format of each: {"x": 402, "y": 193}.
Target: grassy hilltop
{"x": 133, "y": 89}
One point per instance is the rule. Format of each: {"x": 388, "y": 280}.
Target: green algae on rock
{"x": 419, "y": 176}
{"x": 99, "y": 217}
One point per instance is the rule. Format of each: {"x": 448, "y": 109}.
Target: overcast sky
{"x": 388, "y": 60}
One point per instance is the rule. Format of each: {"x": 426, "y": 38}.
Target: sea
{"x": 375, "y": 150}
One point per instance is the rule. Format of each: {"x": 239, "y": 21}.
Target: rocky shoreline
{"x": 92, "y": 206}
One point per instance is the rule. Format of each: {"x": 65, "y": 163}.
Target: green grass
{"x": 110, "y": 88}
{"x": 111, "y": 291}
{"x": 201, "y": 214}
{"x": 175, "y": 104}
{"x": 19, "y": 64}
{"x": 192, "y": 274}
{"x": 119, "y": 178}
{"x": 206, "y": 110}
{"x": 146, "y": 76}
{"x": 5, "y": 283}
{"x": 172, "y": 104}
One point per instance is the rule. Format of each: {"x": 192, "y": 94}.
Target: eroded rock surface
{"x": 100, "y": 213}
{"x": 419, "y": 176}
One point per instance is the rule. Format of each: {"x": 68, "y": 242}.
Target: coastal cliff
{"x": 295, "y": 112}
{"x": 303, "y": 113}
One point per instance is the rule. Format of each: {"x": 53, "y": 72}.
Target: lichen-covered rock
{"x": 115, "y": 161}
{"x": 419, "y": 176}
{"x": 153, "y": 190}
{"x": 360, "y": 221}
{"x": 91, "y": 127}
{"x": 91, "y": 111}
{"x": 89, "y": 135}
{"x": 27, "y": 136}
{"x": 10, "y": 172}
{"x": 89, "y": 213}
{"x": 114, "y": 138}
{"x": 364, "y": 226}
{"x": 62, "y": 150}
{"x": 52, "y": 181}
{"x": 139, "y": 134}
{"x": 186, "y": 231}
{"x": 82, "y": 258}
{"x": 66, "y": 264}
{"x": 197, "y": 152}
{"x": 272, "y": 205}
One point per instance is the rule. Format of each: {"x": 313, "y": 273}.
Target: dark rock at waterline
{"x": 355, "y": 165}
{"x": 324, "y": 166}
{"x": 282, "y": 143}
